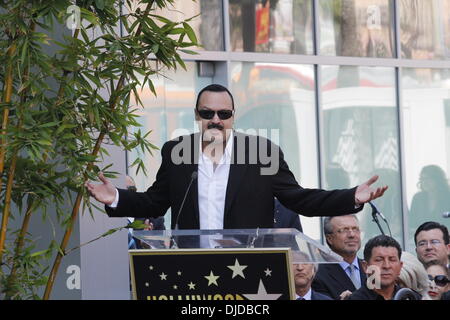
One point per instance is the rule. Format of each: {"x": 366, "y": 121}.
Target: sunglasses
{"x": 440, "y": 280}
{"x": 209, "y": 114}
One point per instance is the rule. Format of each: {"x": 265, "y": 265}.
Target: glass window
{"x": 283, "y": 26}
{"x": 208, "y": 26}
{"x": 362, "y": 28}
{"x": 277, "y": 100}
{"x": 360, "y": 136}
{"x": 425, "y": 29}
{"x": 426, "y": 118}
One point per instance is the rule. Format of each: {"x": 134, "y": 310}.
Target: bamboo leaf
{"x": 190, "y": 32}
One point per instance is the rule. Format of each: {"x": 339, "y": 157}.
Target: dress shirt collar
{"x": 344, "y": 264}
{"x": 307, "y": 296}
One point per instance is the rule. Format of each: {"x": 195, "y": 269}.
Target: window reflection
{"x": 426, "y": 118}
{"x": 362, "y": 28}
{"x": 208, "y": 26}
{"x": 278, "y": 26}
{"x": 425, "y": 29}
{"x": 281, "y": 97}
{"x": 360, "y": 137}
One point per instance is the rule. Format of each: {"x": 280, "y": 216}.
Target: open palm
{"x": 365, "y": 193}
{"x": 104, "y": 192}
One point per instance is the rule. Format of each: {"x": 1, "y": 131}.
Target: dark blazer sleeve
{"x": 152, "y": 203}
{"x": 319, "y": 296}
{"x": 310, "y": 202}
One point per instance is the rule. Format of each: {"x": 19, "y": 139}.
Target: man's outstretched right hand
{"x": 104, "y": 192}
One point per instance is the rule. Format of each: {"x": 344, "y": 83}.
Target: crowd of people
{"x": 385, "y": 273}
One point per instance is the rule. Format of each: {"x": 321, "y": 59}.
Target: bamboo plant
{"x": 56, "y": 117}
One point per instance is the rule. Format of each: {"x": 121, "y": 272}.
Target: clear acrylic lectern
{"x": 303, "y": 248}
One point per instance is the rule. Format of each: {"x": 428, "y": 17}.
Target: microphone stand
{"x": 376, "y": 212}
{"x": 375, "y": 217}
{"x": 174, "y": 244}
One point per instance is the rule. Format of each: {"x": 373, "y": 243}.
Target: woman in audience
{"x": 438, "y": 275}
{"x": 414, "y": 276}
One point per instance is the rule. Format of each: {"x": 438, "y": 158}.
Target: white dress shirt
{"x": 307, "y": 296}
{"x": 212, "y": 187}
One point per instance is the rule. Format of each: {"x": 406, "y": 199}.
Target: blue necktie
{"x": 354, "y": 276}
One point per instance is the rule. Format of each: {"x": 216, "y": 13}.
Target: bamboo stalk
{"x": 68, "y": 233}
{"x": 114, "y": 99}
{"x": 7, "y": 94}
{"x": 7, "y": 207}
{"x": 18, "y": 250}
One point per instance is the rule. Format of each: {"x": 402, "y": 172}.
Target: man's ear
{"x": 327, "y": 238}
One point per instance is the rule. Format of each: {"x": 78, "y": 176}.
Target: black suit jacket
{"x": 332, "y": 280}
{"x": 319, "y": 296}
{"x": 249, "y": 201}
{"x": 285, "y": 218}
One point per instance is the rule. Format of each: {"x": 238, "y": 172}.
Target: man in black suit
{"x": 338, "y": 280}
{"x": 303, "y": 277}
{"x": 225, "y": 179}
{"x": 285, "y": 218}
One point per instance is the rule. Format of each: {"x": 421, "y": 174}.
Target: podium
{"x": 230, "y": 264}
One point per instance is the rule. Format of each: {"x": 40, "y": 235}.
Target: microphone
{"x": 406, "y": 294}
{"x": 446, "y": 214}
{"x": 193, "y": 177}
{"x": 375, "y": 210}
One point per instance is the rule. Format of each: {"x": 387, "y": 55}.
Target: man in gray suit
{"x": 338, "y": 280}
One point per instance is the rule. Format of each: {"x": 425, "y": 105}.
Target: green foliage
{"x": 51, "y": 134}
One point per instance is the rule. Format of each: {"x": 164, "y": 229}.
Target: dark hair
{"x": 430, "y": 225}
{"x": 214, "y": 88}
{"x": 381, "y": 241}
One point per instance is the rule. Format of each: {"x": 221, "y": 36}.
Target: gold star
{"x": 212, "y": 279}
{"x": 163, "y": 276}
{"x": 191, "y": 286}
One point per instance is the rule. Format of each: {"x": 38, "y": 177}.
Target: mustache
{"x": 215, "y": 126}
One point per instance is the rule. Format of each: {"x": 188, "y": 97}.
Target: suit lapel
{"x": 190, "y": 168}
{"x": 237, "y": 171}
{"x": 336, "y": 272}
{"x": 362, "y": 273}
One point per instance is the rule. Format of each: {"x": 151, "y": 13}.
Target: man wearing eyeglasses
{"x": 222, "y": 179}
{"x": 432, "y": 243}
{"x": 339, "y": 280}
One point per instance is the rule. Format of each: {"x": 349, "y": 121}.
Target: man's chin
{"x": 214, "y": 136}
